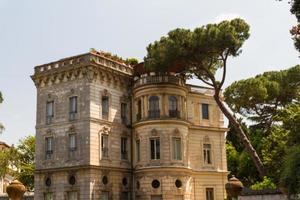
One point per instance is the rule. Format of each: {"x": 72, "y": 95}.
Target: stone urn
{"x": 15, "y": 190}
{"x": 234, "y": 187}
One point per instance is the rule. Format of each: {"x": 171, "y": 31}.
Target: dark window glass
{"x": 209, "y": 194}
{"x": 124, "y": 153}
{"x": 155, "y": 183}
{"x": 173, "y": 110}
{"x": 176, "y": 143}
{"x": 205, "y": 111}
{"x": 49, "y": 112}
{"x": 72, "y": 180}
{"x": 104, "y": 146}
{"x": 154, "y": 111}
{"x": 104, "y": 180}
{"x": 72, "y": 141}
{"x": 49, "y": 147}
{"x": 138, "y": 154}
{"x": 124, "y": 112}
{"x": 73, "y": 108}
{"x": 178, "y": 183}
{"x": 155, "y": 148}
{"x": 125, "y": 196}
{"x": 207, "y": 153}
{"x": 139, "y": 110}
{"x": 105, "y": 107}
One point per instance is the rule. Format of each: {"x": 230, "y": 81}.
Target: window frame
{"x": 173, "y": 146}
{"x": 207, "y": 161}
{"x": 157, "y": 154}
{"x": 124, "y": 113}
{"x": 124, "y": 148}
{"x": 49, "y": 118}
{"x": 138, "y": 150}
{"x": 72, "y": 148}
{"x": 212, "y": 191}
{"x": 104, "y": 149}
{"x": 73, "y": 107}
{"x": 154, "y": 107}
{"x": 49, "y": 151}
{"x": 105, "y": 107}
{"x": 205, "y": 111}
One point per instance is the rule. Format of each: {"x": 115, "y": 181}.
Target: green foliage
{"x": 273, "y": 90}
{"x": 199, "y": 52}
{"x": 131, "y": 61}
{"x": 267, "y": 183}
{"x": 19, "y": 161}
{"x": 290, "y": 177}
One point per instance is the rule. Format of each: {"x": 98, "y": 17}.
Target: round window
{"x": 178, "y": 183}
{"x": 124, "y": 181}
{"x": 48, "y": 182}
{"x": 72, "y": 180}
{"x": 104, "y": 180}
{"x": 155, "y": 183}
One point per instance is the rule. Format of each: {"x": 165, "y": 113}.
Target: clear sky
{"x": 34, "y": 32}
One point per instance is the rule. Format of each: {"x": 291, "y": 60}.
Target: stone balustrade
{"x": 157, "y": 79}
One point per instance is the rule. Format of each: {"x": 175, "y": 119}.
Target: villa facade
{"x": 107, "y": 130}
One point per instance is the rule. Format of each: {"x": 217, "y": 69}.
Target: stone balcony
{"x": 158, "y": 79}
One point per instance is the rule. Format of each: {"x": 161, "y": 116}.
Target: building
{"x": 6, "y": 179}
{"x": 106, "y": 130}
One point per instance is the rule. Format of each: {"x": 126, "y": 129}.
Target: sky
{"x": 35, "y": 32}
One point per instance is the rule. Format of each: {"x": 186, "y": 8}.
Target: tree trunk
{"x": 241, "y": 135}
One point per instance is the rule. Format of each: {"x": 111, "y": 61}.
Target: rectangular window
{"x": 209, "y": 193}
{"x": 124, "y": 152}
{"x": 155, "y": 148}
{"x": 139, "y": 111}
{"x": 207, "y": 153}
{"x": 125, "y": 196}
{"x": 124, "y": 113}
{"x": 48, "y": 196}
{"x": 105, "y": 107}
{"x": 72, "y": 107}
{"x": 104, "y": 195}
{"x": 138, "y": 153}
{"x": 176, "y": 143}
{"x": 72, "y": 142}
{"x": 49, "y": 112}
{"x": 49, "y": 147}
{"x": 104, "y": 146}
{"x": 205, "y": 111}
{"x": 72, "y": 195}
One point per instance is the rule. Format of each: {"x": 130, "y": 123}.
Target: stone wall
{"x": 264, "y": 197}
{"x": 26, "y": 197}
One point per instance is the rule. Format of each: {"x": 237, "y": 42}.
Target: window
{"x": 104, "y": 146}
{"x": 173, "y": 111}
{"x": 49, "y": 112}
{"x": 209, "y": 193}
{"x": 105, "y": 107}
{"x": 72, "y": 195}
{"x": 124, "y": 153}
{"x": 205, "y": 111}
{"x": 72, "y": 142}
{"x": 154, "y": 111}
{"x": 73, "y": 107}
{"x": 207, "y": 154}
{"x": 155, "y": 148}
{"x": 138, "y": 153}
{"x": 176, "y": 144}
{"x": 105, "y": 195}
{"x": 125, "y": 196}
{"x": 49, "y": 147}
{"x": 139, "y": 111}
{"x": 124, "y": 112}
{"x": 48, "y": 196}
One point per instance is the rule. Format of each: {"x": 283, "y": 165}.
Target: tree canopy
{"x": 19, "y": 161}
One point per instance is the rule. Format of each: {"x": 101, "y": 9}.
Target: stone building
{"x": 106, "y": 130}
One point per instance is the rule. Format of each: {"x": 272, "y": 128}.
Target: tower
{"x": 107, "y": 130}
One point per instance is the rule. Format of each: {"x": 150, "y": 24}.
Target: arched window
{"x": 173, "y": 110}
{"x": 154, "y": 111}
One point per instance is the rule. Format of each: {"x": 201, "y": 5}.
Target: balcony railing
{"x": 159, "y": 79}
{"x": 174, "y": 113}
{"x": 154, "y": 114}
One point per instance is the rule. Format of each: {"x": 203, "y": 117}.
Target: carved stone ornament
{"x": 105, "y": 130}
{"x": 154, "y": 132}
